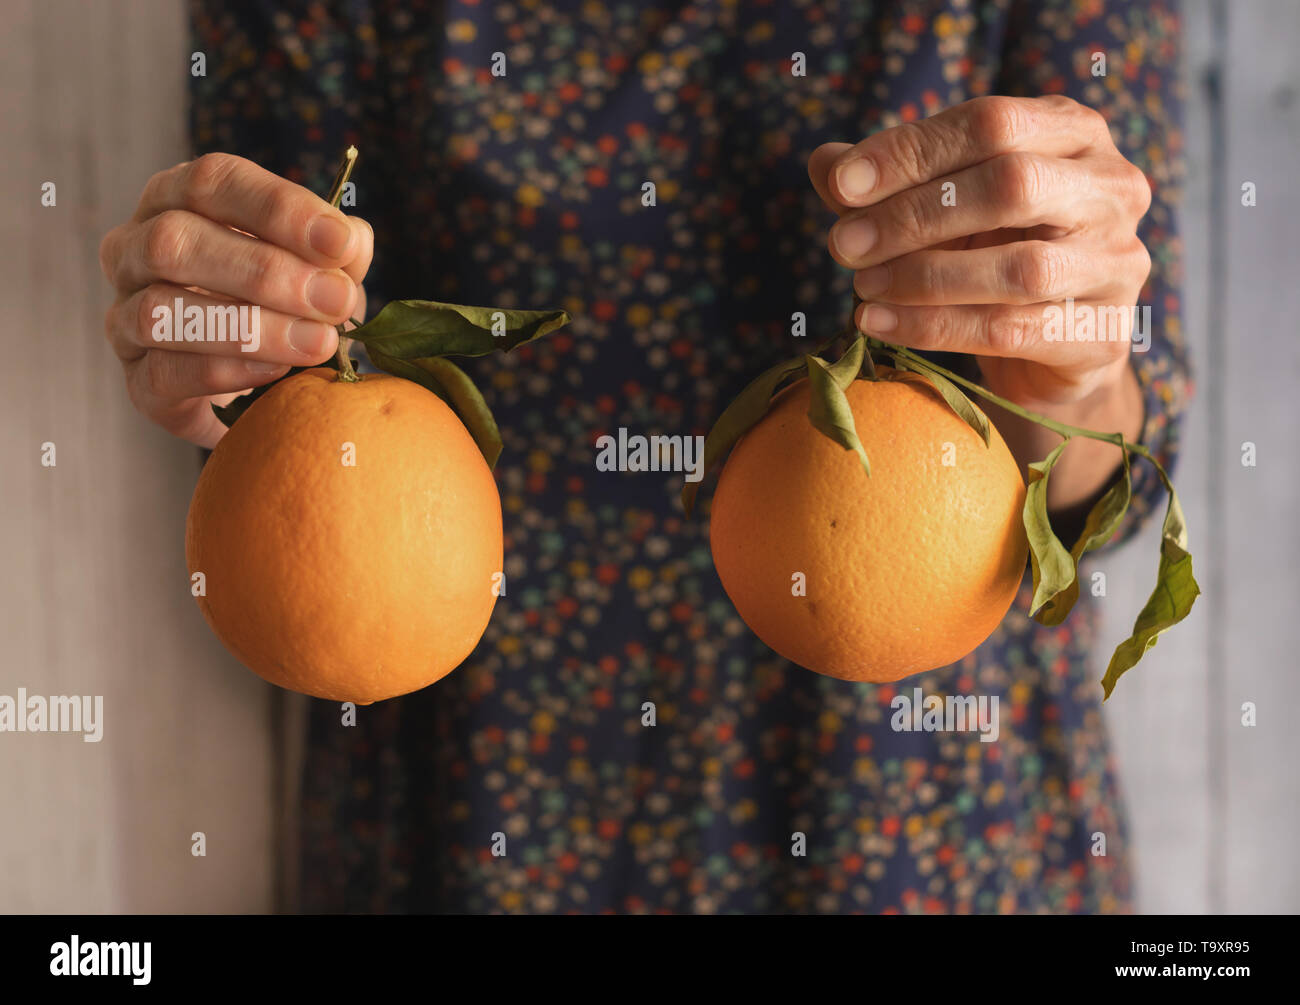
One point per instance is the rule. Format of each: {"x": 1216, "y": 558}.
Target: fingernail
{"x": 872, "y": 281}
{"x": 854, "y": 238}
{"x": 257, "y": 368}
{"x": 856, "y": 179}
{"x": 309, "y": 337}
{"x": 878, "y": 319}
{"x": 330, "y": 293}
{"x": 329, "y": 236}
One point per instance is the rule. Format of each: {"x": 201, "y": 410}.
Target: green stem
{"x": 1063, "y": 429}
{"x": 341, "y": 178}
{"x": 346, "y": 372}
{"x": 868, "y": 364}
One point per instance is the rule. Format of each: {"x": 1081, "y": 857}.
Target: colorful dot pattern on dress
{"x": 527, "y": 190}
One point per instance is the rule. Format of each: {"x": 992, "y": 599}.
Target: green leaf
{"x": 232, "y": 410}
{"x": 844, "y": 371}
{"x": 409, "y": 370}
{"x": 1103, "y": 520}
{"x": 1170, "y": 602}
{"x": 1053, "y": 567}
{"x": 829, "y": 410}
{"x": 418, "y": 329}
{"x": 453, "y": 385}
{"x": 966, "y": 409}
{"x": 738, "y": 418}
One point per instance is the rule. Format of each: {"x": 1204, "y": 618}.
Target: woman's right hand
{"x": 222, "y": 231}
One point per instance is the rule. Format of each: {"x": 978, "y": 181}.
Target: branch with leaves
{"x": 413, "y": 338}
{"x": 1055, "y": 569}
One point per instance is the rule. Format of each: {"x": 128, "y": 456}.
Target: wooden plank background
{"x": 94, "y": 597}
{"x": 1215, "y": 804}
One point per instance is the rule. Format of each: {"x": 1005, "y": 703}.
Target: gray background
{"x": 93, "y": 600}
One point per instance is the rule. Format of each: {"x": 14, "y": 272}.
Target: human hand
{"x": 1042, "y": 207}
{"x": 220, "y": 230}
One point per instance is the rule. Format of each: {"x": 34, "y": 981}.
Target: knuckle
{"x": 1114, "y": 350}
{"x": 166, "y": 242}
{"x": 1093, "y": 121}
{"x": 209, "y": 374}
{"x": 110, "y": 322}
{"x": 1000, "y": 121}
{"x": 944, "y": 329}
{"x": 1140, "y": 188}
{"x": 133, "y": 370}
{"x": 147, "y": 301}
{"x": 1142, "y": 267}
{"x": 265, "y": 272}
{"x": 282, "y": 213}
{"x": 1019, "y": 179}
{"x": 157, "y": 184}
{"x": 910, "y": 152}
{"x": 361, "y": 264}
{"x": 108, "y": 253}
{"x": 205, "y": 178}
{"x": 167, "y": 185}
{"x": 928, "y": 275}
{"x": 157, "y": 373}
{"x": 1011, "y": 332}
{"x": 1037, "y": 271}
{"x": 915, "y": 219}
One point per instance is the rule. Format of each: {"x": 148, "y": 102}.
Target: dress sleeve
{"x": 1050, "y": 49}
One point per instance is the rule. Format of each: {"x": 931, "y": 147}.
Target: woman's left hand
{"x": 964, "y": 230}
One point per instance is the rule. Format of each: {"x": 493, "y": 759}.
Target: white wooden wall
{"x": 1216, "y": 805}
{"x": 93, "y": 596}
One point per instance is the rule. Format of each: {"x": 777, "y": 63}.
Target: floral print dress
{"x": 525, "y": 189}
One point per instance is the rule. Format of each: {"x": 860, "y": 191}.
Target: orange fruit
{"x": 348, "y": 582}
{"x": 904, "y": 571}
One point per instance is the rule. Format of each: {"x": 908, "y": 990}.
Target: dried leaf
{"x": 418, "y": 329}
{"x": 1103, "y": 520}
{"x": 1171, "y": 601}
{"x": 829, "y": 410}
{"x": 967, "y": 410}
{"x": 845, "y": 370}
{"x": 1052, "y": 566}
{"x": 738, "y": 418}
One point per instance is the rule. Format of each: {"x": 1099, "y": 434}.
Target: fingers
{"x": 357, "y": 267}
{"x": 238, "y": 193}
{"x": 173, "y": 388}
{"x": 905, "y": 156}
{"x": 1016, "y": 190}
{"x": 1022, "y": 272}
{"x": 359, "y": 310}
{"x": 1080, "y": 335}
{"x": 1003, "y": 228}
{"x": 184, "y": 249}
{"x": 221, "y": 234}
{"x": 135, "y": 326}
{"x": 819, "y": 168}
